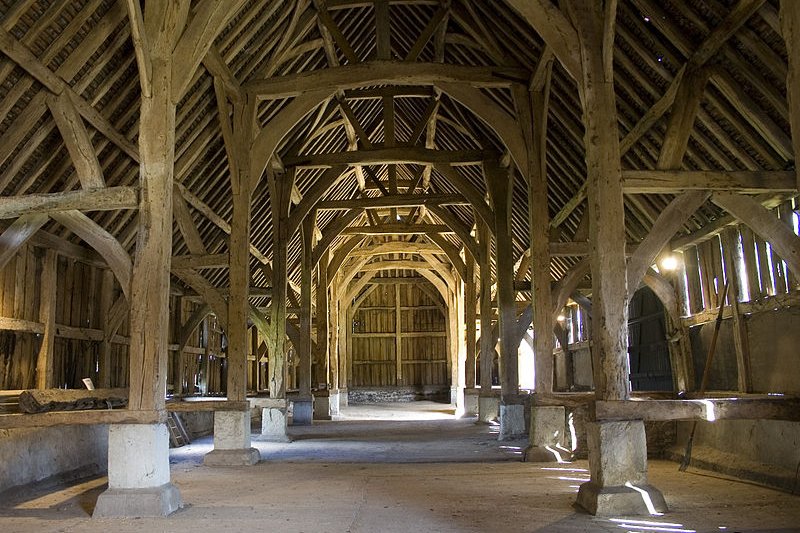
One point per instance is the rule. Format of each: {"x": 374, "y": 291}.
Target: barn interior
{"x": 573, "y": 223}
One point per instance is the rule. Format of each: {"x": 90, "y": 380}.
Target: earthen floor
{"x": 401, "y": 468}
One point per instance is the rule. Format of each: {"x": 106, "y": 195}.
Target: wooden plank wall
{"x": 764, "y": 272}
{"x": 79, "y": 330}
{"x": 423, "y": 339}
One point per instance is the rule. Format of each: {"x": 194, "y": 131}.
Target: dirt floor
{"x": 401, "y": 468}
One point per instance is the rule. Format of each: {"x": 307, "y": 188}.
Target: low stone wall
{"x": 399, "y": 394}
{"x": 63, "y": 452}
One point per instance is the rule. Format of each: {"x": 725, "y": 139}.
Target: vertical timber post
{"x": 617, "y": 450}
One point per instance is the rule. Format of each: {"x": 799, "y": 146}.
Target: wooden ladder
{"x": 178, "y": 435}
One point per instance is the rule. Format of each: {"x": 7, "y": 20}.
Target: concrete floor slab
{"x": 391, "y": 473}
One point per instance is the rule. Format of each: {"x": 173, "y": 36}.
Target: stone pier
{"x": 232, "y": 440}
{"x": 618, "y": 466}
{"x": 138, "y": 473}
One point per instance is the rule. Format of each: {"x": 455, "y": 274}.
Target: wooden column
{"x": 280, "y": 189}
{"x": 106, "y": 298}
{"x": 335, "y": 328}
{"x": 239, "y": 251}
{"x": 47, "y": 316}
{"x": 470, "y": 308}
{"x": 790, "y": 27}
{"x": 732, "y": 258}
{"x": 501, "y": 183}
{"x": 304, "y": 352}
{"x": 487, "y": 344}
{"x": 398, "y": 339}
{"x": 320, "y": 371}
{"x": 606, "y": 211}
{"x": 177, "y": 355}
{"x": 348, "y": 344}
{"x": 534, "y": 119}
{"x": 149, "y": 321}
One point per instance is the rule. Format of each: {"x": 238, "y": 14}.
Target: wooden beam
{"x": 673, "y": 181}
{"x": 790, "y": 28}
{"x": 150, "y": 280}
{"x": 668, "y": 223}
{"x": 711, "y": 409}
{"x": 681, "y": 120}
{"x": 732, "y": 261}
{"x": 217, "y": 220}
{"x": 210, "y": 294}
{"x": 714, "y": 227}
{"x": 387, "y": 156}
{"x": 407, "y": 200}
{"x": 17, "y": 234}
{"x": 140, "y": 45}
{"x": 654, "y": 114}
{"x": 335, "y": 32}
{"x": 210, "y": 17}
{"x": 76, "y": 138}
{"x": 200, "y": 261}
{"x": 500, "y": 183}
{"x": 102, "y": 241}
{"x": 47, "y": 316}
{"x": 430, "y": 29}
{"x": 606, "y": 206}
{"x": 186, "y": 225}
{"x": 370, "y": 73}
{"x": 215, "y": 64}
{"x": 382, "y": 30}
{"x": 81, "y": 417}
{"x": 397, "y": 229}
{"x": 569, "y": 207}
{"x": 106, "y": 199}
{"x": 475, "y": 198}
{"x": 781, "y": 237}
{"x": 184, "y": 406}
{"x": 752, "y": 111}
{"x": 554, "y": 27}
{"x": 21, "y": 55}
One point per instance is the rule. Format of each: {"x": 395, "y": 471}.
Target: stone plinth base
{"x": 231, "y": 430}
{"x": 621, "y": 500}
{"x": 547, "y": 435}
{"x": 322, "y": 405}
{"x": 138, "y": 473}
{"x": 618, "y": 466}
{"x": 154, "y": 501}
{"x": 334, "y": 398}
{"x": 344, "y": 399}
{"x": 243, "y": 457}
{"x": 512, "y": 422}
{"x": 302, "y": 412}
{"x": 470, "y": 402}
{"x": 273, "y": 425}
{"x": 488, "y": 409}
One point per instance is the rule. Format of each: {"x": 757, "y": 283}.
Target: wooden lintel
{"x": 392, "y": 201}
{"x": 107, "y": 199}
{"x": 397, "y": 229}
{"x": 372, "y": 73}
{"x": 387, "y": 156}
{"x": 206, "y": 405}
{"x": 81, "y": 417}
{"x": 200, "y": 261}
{"x": 674, "y": 181}
{"x": 700, "y": 409}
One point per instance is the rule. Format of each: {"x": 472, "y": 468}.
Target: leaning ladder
{"x": 178, "y": 435}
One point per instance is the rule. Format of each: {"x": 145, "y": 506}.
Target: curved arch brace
{"x": 103, "y": 242}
